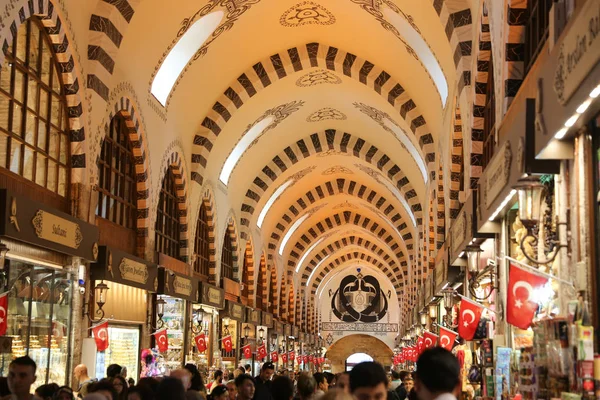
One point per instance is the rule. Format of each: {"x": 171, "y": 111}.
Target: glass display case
{"x": 123, "y": 349}
{"x": 39, "y": 306}
{"x": 174, "y": 321}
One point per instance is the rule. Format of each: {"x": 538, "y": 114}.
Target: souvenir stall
{"x": 128, "y": 281}
{"x": 232, "y": 318}
{"x": 295, "y": 348}
{"x": 287, "y": 345}
{"x": 268, "y": 324}
{"x": 255, "y": 337}
{"x": 276, "y": 339}
{"x": 41, "y": 256}
{"x": 176, "y": 292}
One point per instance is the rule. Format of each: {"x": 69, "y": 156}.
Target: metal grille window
{"x": 202, "y": 261}
{"x": 536, "y": 30}
{"x": 33, "y": 117}
{"x": 489, "y": 117}
{"x": 168, "y": 227}
{"x": 227, "y": 257}
{"x": 116, "y": 177}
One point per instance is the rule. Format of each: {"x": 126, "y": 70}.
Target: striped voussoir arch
{"x": 337, "y": 187}
{"x": 293, "y": 60}
{"x": 48, "y": 14}
{"x": 514, "y": 59}
{"x": 207, "y": 201}
{"x": 340, "y": 219}
{"x": 273, "y": 294}
{"x": 430, "y": 261}
{"x": 232, "y": 232}
{"x": 283, "y": 300}
{"x": 108, "y": 26}
{"x": 340, "y": 244}
{"x": 137, "y": 137}
{"x": 291, "y": 303}
{"x": 321, "y": 142}
{"x": 299, "y": 307}
{"x": 441, "y": 211}
{"x": 480, "y": 96}
{"x": 262, "y": 280}
{"x": 455, "y": 16}
{"x": 457, "y": 166}
{"x": 248, "y": 272}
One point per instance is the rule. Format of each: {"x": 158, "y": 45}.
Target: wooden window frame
{"x": 227, "y": 258}
{"x": 168, "y": 226}
{"x": 489, "y": 117}
{"x": 201, "y": 244}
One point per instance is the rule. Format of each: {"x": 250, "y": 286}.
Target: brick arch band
{"x": 262, "y": 277}
{"x": 319, "y": 143}
{"x": 441, "y": 211}
{"x": 64, "y": 51}
{"x": 248, "y": 271}
{"x": 295, "y": 59}
{"x": 231, "y": 230}
{"x": 457, "y": 166}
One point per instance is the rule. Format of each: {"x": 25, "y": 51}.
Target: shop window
{"x": 489, "y": 117}
{"x": 202, "y": 261}
{"x": 33, "y": 112}
{"x": 227, "y": 258}
{"x": 117, "y": 194}
{"x": 536, "y": 29}
{"x": 168, "y": 227}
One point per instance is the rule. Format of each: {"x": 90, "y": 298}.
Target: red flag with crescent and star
{"x": 200, "y": 342}
{"x": 162, "y": 340}
{"x": 429, "y": 340}
{"x": 520, "y": 309}
{"x": 420, "y": 345}
{"x": 3, "y": 313}
{"x": 274, "y": 356}
{"x": 447, "y": 338}
{"x": 100, "y": 333}
{"x": 468, "y": 320}
{"x": 261, "y": 351}
{"x": 292, "y": 356}
{"x": 227, "y": 343}
{"x": 311, "y": 358}
{"x": 247, "y": 351}
{"x": 284, "y": 358}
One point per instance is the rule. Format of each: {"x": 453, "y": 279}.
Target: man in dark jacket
{"x": 263, "y": 382}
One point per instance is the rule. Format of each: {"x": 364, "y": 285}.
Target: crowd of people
{"x": 436, "y": 378}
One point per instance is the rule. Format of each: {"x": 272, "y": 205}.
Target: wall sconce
{"x": 531, "y": 194}
{"x": 423, "y": 318}
{"x": 473, "y": 258}
{"x": 100, "y": 292}
{"x": 226, "y": 322}
{"x": 448, "y": 305}
{"x": 3, "y": 252}
{"x": 160, "y": 312}
{"x": 196, "y": 329}
{"x": 433, "y": 311}
{"x": 261, "y": 335}
{"x": 246, "y": 332}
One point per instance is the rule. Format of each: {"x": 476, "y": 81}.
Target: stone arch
{"x": 208, "y": 201}
{"x": 514, "y": 54}
{"x": 248, "y": 275}
{"x": 343, "y": 348}
{"x": 322, "y": 142}
{"x": 288, "y": 62}
{"x": 299, "y": 307}
{"x": 65, "y": 51}
{"x": 262, "y": 280}
{"x": 231, "y": 231}
{"x": 283, "y": 299}
{"x": 273, "y": 294}
{"x": 291, "y": 302}
{"x": 441, "y": 210}
{"x": 458, "y": 165}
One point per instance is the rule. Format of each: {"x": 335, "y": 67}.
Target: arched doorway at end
{"x": 341, "y": 350}
{"x": 355, "y": 359}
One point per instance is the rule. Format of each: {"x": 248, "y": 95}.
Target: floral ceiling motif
{"x": 337, "y": 169}
{"x": 318, "y": 77}
{"x": 325, "y": 114}
{"x": 306, "y": 13}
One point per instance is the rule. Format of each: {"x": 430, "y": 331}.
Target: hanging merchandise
{"x": 429, "y": 339}
{"x": 200, "y": 342}
{"x": 274, "y": 356}
{"x": 247, "y": 350}
{"x": 468, "y": 321}
{"x": 261, "y": 352}
{"x": 162, "y": 342}
{"x": 100, "y": 333}
{"x": 227, "y": 343}
{"x": 520, "y": 309}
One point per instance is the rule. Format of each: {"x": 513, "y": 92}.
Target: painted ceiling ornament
{"x": 359, "y": 299}
{"x": 306, "y": 13}
{"x": 302, "y": 173}
{"x": 346, "y": 204}
{"x": 380, "y": 117}
{"x": 279, "y": 114}
{"x": 333, "y": 152}
{"x": 338, "y": 169}
{"x": 325, "y": 114}
{"x": 318, "y": 77}
{"x": 369, "y": 171}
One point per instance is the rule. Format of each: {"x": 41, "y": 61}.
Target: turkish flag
{"x": 413, "y": 353}
{"x": 305, "y": 359}
{"x": 468, "y": 320}
{"x": 247, "y": 351}
{"x": 3, "y": 313}
{"x": 274, "y": 356}
{"x": 311, "y": 358}
{"x": 162, "y": 340}
{"x": 429, "y": 339}
{"x": 520, "y": 309}
{"x": 292, "y": 356}
{"x": 200, "y": 342}
{"x": 447, "y": 338}
{"x": 299, "y": 359}
{"x": 261, "y": 352}
{"x": 100, "y": 333}
{"x": 227, "y": 343}
{"x": 284, "y": 358}
{"x": 420, "y": 345}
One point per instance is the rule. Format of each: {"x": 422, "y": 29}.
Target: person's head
{"x": 130, "y": 381}
{"x": 149, "y": 383}
{"x": 119, "y": 383}
{"x": 267, "y": 371}
{"x": 307, "y": 385}
{"x": 170, "y": 388}
{"x": 337, "y": 394}
{"x": 113, "y": 370}
{"x": 284, "y": 372}
{"x": 124, "y": 372}
{"x": 395, "y": 375}
{"x": 330, "y": 378}
{"x": 80, "y": 372}
{"x": 368, "y": 381}
{"x": 140, "y": 393}
{"x": 218, "y": 376}
{"x": 219, "y": 393}
{"x": 231, "y": 389}
{"x": 184, "y": 376}
{"x": 105, "y": 388}
{"x": 437, "y": 373}
{"x": 342, "y": 381}
{"x": 404, "y": 374}
{"x": 321, "y": 381}
{"x": 21, "y": 375}
{"x": 64, "y": 393}
{"x": 245, "y": 387}
{"x": 197, "y": 383}
{"x": 46, "y": 392}
{"x": 248, "y": 368}
{"x": 282, "y": 388}
{"x": 408, "y": 383}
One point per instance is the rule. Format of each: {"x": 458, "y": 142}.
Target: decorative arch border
{"x": 273, "y": 301}
{"x": 441, "y": 210}
{"x": 457, "y": 165}
{"x": 262, "y": 275}
{"x": 208, "y": 200}
{"x": 291, "y": 302}
{"x": 290, "y": 61}
{"x": 248, "y": 272}
{"x": 514, "y": 55}
{"x": 231, "y": 230}
{"x": 479, "y": 98}
{"x": 319, "y": 143}
{"x": 64, "y": 50}
{"x": 283, "y": 299}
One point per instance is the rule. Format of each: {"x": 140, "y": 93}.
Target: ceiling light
{"x": 595, "y": 93}
{"x": 502, "y": 205}
{"x": 571, "y": 121}
{"x": 561, "y": 133}
{"x": 584, "y": 106}
{"x": 291, "y": 231}
{"x": 181, "y": 54}
{"x": 271, "y": 201}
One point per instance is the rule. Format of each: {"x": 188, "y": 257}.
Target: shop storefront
{"x": 40, "y": 254}
{"x": 278, "y": 342}
{"x": 129, "y": 280}
{"x": 268, "y": 324}
{"x": 205, "y": 317}
{"x": 232, "y": 318}
{"x": 254, "y": 334}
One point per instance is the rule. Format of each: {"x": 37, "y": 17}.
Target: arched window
{"x": 227, "y": 258}
{"x": 117, "y": 194}
{"x": 167, "y": 218}
{"x": 202, "y": 262}
{"x": 33, "y": 113}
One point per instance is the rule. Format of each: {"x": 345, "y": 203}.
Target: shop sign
{"x": 279, "y": 327}
{"x": 118, "y": 266}
{"x": 267, "y": 320}
{"x": 133, "y": 271}
{"x": 287, "y": 330}
{"x": 441, "y": 275}
{"x": 579, "y": 51}
{"x": 459, "y": 230}
{"x": 182, "y": 286}
{"x": 212, "y": 295}
{"x": 295, "y": 331}
{"x": 362, "y": 327}
{"x": 253, "y": 316}
{"x": 235, "y": 311}
{"x": 35, "y": 223}
{"x": 497, "y": 174}
{"x": 174, "y": 284}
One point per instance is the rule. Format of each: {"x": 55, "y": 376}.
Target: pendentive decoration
{"x": 306, "y": 13}
{"x": 359, "y": 298}
{"x": 325, "y": 114}
{"x": 318, "y": 77}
